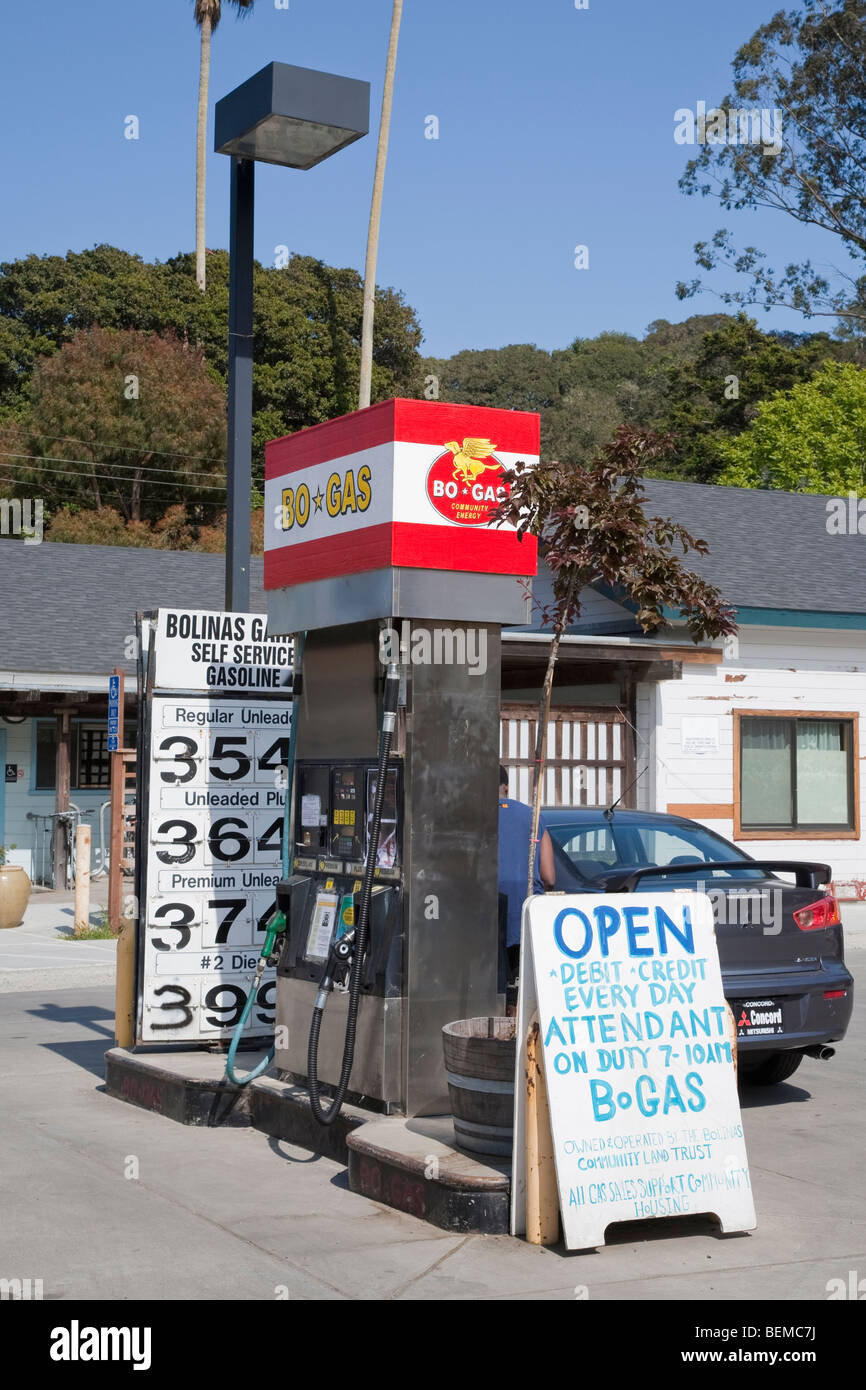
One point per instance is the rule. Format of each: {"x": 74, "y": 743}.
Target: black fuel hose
{"x": 323, "y": 1116}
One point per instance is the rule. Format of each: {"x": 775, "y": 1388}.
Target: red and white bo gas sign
{"x": 403, "y": 483}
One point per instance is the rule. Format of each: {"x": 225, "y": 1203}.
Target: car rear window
{"x": 595, "y": 849}
{"x": 591, "y": 851}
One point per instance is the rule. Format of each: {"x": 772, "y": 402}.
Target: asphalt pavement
{"x": 102, "y": 1200}
{"x": 42, "y": 951}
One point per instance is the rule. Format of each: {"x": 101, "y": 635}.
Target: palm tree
{"x": 207, "y": 17}
{"x": 376, "y": 213}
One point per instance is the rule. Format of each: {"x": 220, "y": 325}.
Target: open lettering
{"x": 575, "y": 933}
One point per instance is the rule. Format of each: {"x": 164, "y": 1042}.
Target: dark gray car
{"x": 780, "y": 943}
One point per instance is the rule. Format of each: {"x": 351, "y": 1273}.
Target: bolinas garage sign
{"x": 404, "y": 483}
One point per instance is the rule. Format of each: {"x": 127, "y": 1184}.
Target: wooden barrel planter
{"x": 479, "y": 1064}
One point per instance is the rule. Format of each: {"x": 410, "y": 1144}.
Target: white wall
{"x": 800, "y": 669}
{"x": 647, "y": 700}
{"x": 19, "y": 799}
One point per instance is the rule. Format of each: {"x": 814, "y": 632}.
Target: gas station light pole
{"x": 285, "y": 115}
{"x": 240, "y": 387}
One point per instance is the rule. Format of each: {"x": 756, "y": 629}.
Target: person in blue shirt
{"x": 515, "y": 830}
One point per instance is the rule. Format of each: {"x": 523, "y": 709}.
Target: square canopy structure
{"x": 292, "y": 116}
{"x": 386, "y": 512}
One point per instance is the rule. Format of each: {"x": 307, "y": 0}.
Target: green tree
{"x": 593, "y": 529}
{"x": 125, "y": 419}
{"x": 714, "y": 393}
{"x": 811, "y": 438}
{"x": 680, "y": 338}
{"x": 176, "y": 530}
{"x": 207, "y": 16}
{"x": 518, "y": 377}
{"x": 584, "y": 419}
{"x": 46, "y": 300}
{"x": 307, "y": 327}
{"x": 104, "y": 526}
{"x": 604, "y": 383}
{"x": 582, "y": 392}
{"x": 806, "y": 66}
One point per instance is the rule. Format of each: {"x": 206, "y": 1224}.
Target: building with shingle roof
{"x": 757, "y": 737}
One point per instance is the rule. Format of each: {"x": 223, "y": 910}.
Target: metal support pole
{"x": 61, "y": 782}
{"x": 240, "y": 387}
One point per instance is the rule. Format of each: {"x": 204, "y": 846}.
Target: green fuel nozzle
{"x": 276, "y": 925}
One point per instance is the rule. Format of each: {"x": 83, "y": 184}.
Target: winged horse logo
{"x": 469, "y": 458}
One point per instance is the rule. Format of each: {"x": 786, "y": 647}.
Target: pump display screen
{"x": 334, "y": 816}
{"x": 346, "y": 833}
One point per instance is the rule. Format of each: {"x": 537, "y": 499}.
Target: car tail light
{"x": 835, "y": 993}
{"x": 824, "y": 913}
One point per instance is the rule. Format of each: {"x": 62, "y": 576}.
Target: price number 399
{"x": 186, "y": 1007}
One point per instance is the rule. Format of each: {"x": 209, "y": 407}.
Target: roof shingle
{"x": 70, "y": 608}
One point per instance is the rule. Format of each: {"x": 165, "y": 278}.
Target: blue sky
{"x": 555, "y": 129}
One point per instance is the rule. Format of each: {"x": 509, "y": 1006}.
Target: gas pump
{"x": 384, "y": 558}
{"x": 344, "y": 928}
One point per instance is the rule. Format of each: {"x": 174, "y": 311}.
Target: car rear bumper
{"x": 807, "y": 1016}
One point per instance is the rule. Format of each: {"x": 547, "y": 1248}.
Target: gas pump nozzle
{"x": 338, "y": 965}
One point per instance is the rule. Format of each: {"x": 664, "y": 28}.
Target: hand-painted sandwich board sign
{"x": 644, "y": 1110}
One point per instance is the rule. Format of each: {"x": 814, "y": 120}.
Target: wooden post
{"x": 123, "y": 927}
{"x": 542, "y": 1194}
{"x": 124, "y": 988}
{"x": 115, "y": 839}
{"x": 61, "y": 779}
{"x": 629, "y": 744}
{"x": 81, "y": 909}
{"x": 732, "y": 1032}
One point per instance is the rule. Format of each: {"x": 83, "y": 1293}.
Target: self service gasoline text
{"x": 218, "y": 643}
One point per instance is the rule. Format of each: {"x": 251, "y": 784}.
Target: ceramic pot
{"x": 14, "y": 895}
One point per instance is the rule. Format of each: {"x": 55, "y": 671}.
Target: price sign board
{"x": 215, "y": 780}
{"x": 644, "y": 1112}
